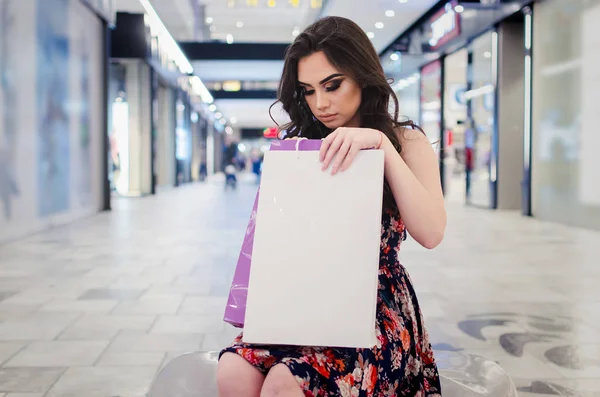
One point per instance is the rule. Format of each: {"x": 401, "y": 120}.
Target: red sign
{"x": 445, "y": 26}
{"x": 271, "y": 132}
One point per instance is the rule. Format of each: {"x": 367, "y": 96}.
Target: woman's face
{"x": 333, "y": 97}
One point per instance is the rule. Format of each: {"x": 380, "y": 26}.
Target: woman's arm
{"x": 414, "y": 179}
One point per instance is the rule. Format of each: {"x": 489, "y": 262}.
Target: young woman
{"x": 333, "y": 88}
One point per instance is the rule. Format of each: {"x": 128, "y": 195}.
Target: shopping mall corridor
{"x": 94, "y": 309}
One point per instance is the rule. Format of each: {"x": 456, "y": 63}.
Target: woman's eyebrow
{"x": 325, "y": 80}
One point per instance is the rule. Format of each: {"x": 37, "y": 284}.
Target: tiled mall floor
{"x": 94, "y": 309}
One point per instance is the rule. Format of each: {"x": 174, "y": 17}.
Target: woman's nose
{"x": 322, "y": 101}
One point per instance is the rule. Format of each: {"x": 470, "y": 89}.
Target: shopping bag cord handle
{"x": 298, "y": 146}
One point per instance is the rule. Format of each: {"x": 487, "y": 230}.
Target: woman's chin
{"x": 333, "y": 124}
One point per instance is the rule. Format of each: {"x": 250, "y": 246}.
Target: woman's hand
{"x": 345, "y": 143}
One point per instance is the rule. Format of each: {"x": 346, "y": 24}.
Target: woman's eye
{"x": 334, "y": 86}
{"x": 308, "y": 92}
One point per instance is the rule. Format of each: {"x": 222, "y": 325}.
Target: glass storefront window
{"x": 455, "y": 155}
{"x": 407, "y": 92}
{"x": 566, "y": 87}
{"x": 479, "y": 130}
{"x": 118, "y": 133}
{"x": 431, "y": 101}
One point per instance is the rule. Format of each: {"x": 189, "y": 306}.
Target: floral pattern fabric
{"x": 402, "y": 363}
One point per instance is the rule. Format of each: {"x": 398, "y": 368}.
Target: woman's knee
{"x": 281, "y": 383}
{"x": 236, "y": 377}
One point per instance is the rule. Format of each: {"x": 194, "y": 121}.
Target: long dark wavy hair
{"x": 350, "y": 51}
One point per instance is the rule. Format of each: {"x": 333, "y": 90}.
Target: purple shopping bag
{"x": 236, "y": 304}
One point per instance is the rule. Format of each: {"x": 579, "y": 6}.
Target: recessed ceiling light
{"x": 233, "y": 120}
{"x": 394, "y": 56}
{"x": 229, "y": 38}
{"x": 212, "y": 108}
{"x": 487, "y": 54}
{"x": 390, "y": 13}
{"x": 296, "y": 32}
{"x": 218, "y": 115}
{"x": 209, "y": 20}
{"x": 402, "y": 1}
{"x": 379, "y": 25}
{"x": 239, "y": 24}
{"x": 371, "y": 35}
{"x": 459, "y": 8}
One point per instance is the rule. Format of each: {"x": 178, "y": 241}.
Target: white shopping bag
{"x": 314, "y": 273}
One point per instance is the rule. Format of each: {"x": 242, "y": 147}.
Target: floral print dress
{"x": 402, "y": 363}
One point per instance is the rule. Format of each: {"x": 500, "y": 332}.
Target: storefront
{"x": 183, "y": 139}
{"x": 53, "y": 79}
{"x": 153, "y": 99}
{"x": 565, "y": 139}
{"x": 457, "y": 47}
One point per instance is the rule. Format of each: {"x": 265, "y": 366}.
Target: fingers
{"x": 332, "y": 149}
{"x": 326, "y": 144}
{"x": 350, "y": 157}
{"x": 341, "y": 155}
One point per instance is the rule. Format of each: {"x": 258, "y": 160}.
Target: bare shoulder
{"x": 419, "y": 154}
{"x": 413, "y": 140}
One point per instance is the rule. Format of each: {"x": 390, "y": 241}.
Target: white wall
{"x": 138, "y": 97}
{"x": 50, "y": 115}
{"x": 511, "y": 116}
{"x": 165, "y": 148}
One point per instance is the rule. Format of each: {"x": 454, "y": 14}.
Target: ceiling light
{"x": 296, "y": 32}
{"x": 239, "y": 24}
{"x": 201, "y": 90}
{"x": 218, "y": 115}
{"x": 402, "y": 1}
{"x": 371, "y": 35}
{"x": 232, "y": 86}
{"x": 390, "y": 13}
{"x": 229, "y": 38}
{"x": 379, "y": 25}
{"x": 223, "y": 121}
{"x": 212, "y": 107}
{"x": 228, "y": 130}
{"x": 209, "y": 20}
{"x": 487, "y": 54}
{"x": 167, "y": 42}
{"x": 394, "y": 56}
{"x": 459, "y": 8}
{"x": 233, "y": 120}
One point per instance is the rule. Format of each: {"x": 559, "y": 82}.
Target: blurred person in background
{"x": 333, "y": 87}
{"x": 470, "y": 137}
{"x": 257, "y": 159}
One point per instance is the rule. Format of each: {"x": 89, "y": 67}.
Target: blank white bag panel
{"x": 314, "y": 273}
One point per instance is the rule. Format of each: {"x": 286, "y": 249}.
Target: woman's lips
{"x": 327, "y": 117}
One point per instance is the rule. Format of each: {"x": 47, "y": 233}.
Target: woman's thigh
{"x": 237, "y": 378}
{"x": 280, "y": 382}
